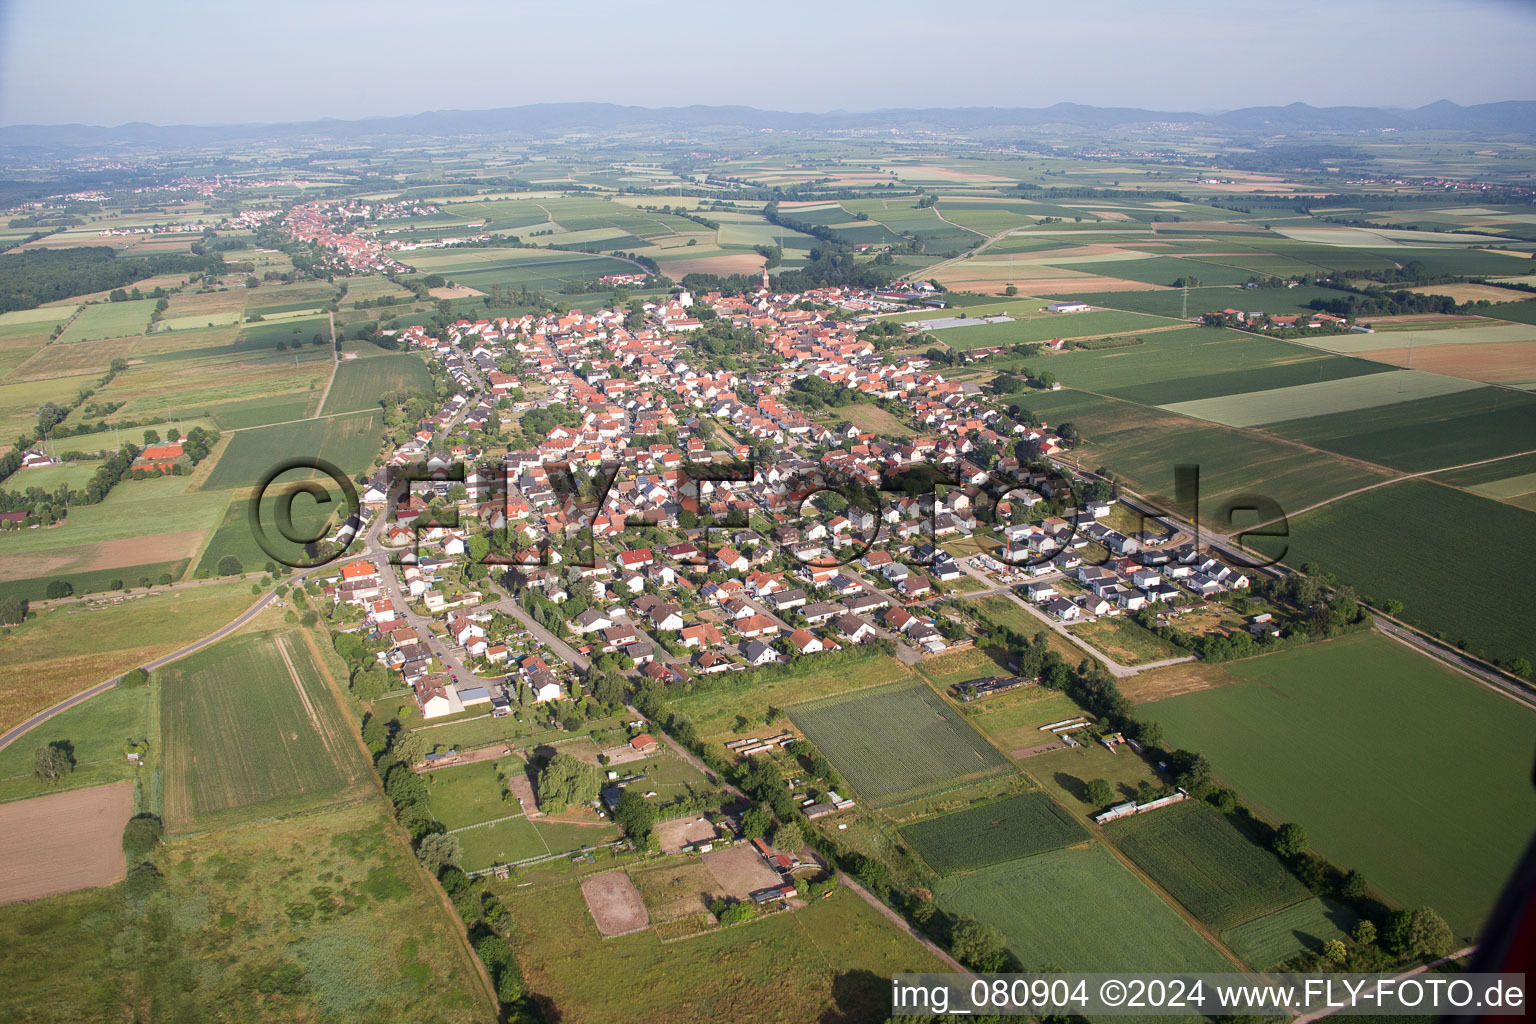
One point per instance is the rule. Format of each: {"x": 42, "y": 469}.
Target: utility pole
{"x": 1184, "y": 307}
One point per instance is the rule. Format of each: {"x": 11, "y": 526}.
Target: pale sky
{"x": 178, "y": 62}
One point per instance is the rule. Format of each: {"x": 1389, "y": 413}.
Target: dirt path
{"x": 901, "y": 922}
{"x": 335, "y": 363}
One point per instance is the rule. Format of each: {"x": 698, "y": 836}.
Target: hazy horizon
{"x": 188, "y": 64}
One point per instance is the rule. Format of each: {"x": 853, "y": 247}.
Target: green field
{"x": 1476, "y": 586}
{"x": 74, "y": 475}
{"x": 714, "y": 712}
{"x": 978, "y": 836}
{"x": 1322, "y": 398}
{"x": 109, "y": 320}
{"x": 350, "y": 442}
{"x": 234, "y": 536}
{"x": 1433, "y": 804}
{"x": 1201, "y": 859}
{"x": 1127, "y": 641}
{"x": 360, "y": 382}
{"x": 1078, "y": 909}
{"x": 1425, "y": 433}
{"x": 242, "y": 731}
{"x": 1305, "y": 926}
{"x": 258, "y": 412}
{"x": 1044, "y": 328}
{"x": 1143, "y": 445}
{"x": 896, "y": 742}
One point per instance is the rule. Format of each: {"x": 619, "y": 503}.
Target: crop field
{"x": 920, "y": 744}
{"x": 535, "y": 268}
{"x": 1143, "y": 445}
{"x": 1511, "y": 480}
{"x": 334, "y": 898}
{"x": 1322, "y": 398}
{"x": 247, "y": 722}
{"x": 1081, "y": 907}
{"x": 749, "y": 974}
{"x": 360, "y": 382}
{"x": 1220, "y": 875}
{"x": 109, "y": 320}
{"x": 260, "y": 412}
{"x": 1369, "y": 540}
{"x": 1305, "y": 926}
{"x": 1055, "y": 325}
{"x": 233, "y": 534}
{"x": 348, "y": 441}
{"x": 462, "y": 795}
{"x": 1434, "y": 803}
{"x": 974, "y": 838}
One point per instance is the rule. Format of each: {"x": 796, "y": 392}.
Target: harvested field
{"x": 106, "y": 554}
{"x": 63, "y": 842}
{"x": 458, "y": 291}
{"x": 1173, "y": 681}
{"x": 1497, "y": 362}
{"x": 740, "y": 871}
{"x": 1472, "y": 292}
{"x": 725, "y": 263}
{"x": 615, "y": 904}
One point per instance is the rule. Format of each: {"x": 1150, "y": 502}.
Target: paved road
{"x": 1330, "y": 1011}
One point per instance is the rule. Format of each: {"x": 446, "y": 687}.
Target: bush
{"x": 738, "y": 912}
{"x": 142, "y": 881}
{"x": 229, "y": 565}
{"x": 134, "y": 677}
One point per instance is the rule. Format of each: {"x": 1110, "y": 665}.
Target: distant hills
{"x": 547, "y": 120}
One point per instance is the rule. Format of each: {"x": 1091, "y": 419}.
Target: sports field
{"x": 896, "y": 742}
{"x": 1266, "y": 941}
{"x": 1197, "y": 855}
{"x": 360, "y": 382}
{"x": 1439, "y": 550}
{"x": 350, "y": 442}
{"x": 1078, "y": 908}
{"x": 978, "y": 836}
{"x": 468, "y": 794}
{"x": 1433, "y": 804}
{"x": 250, "y": 721}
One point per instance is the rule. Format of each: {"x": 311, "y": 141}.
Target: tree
{"x": 1364, "y": 933}
{"x": 134, "y": 677}
{"x": 1099, "y": 792}
{"x": 409, "y": 748}
{"x": 12, "y": 610}
{"x": 977, "y": 945}
{"x": 51, "y": 763}
{"x": 437, "y": 851}
{"x": 229, "y": 565}
{"x": 1520, "y": 666}
{"x": 635, "y": 815}
{"x": 1334, "y": 951}
{"x": 151, "y": 437}
{"x": 755, "y": 822}
{"x": 58, "y": 588}
{"x": 1353, "y": 887}
{"x": 1290, "y": 840}
{"x": 567, "y": 780}
{"x": 1393, "y": 607}
{"x": 789, "y": 836}
{"x": 1417, "y": 934}
{"x": 141, "y": 835}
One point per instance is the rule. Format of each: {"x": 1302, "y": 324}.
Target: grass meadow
{"x": 830, "y": 960}
{"x": 1433, "y": 804}
{"x": 109, "y": 320}
{"x": 333, "y": 899}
